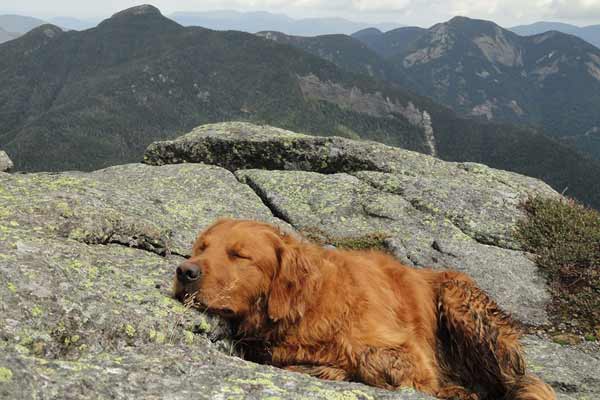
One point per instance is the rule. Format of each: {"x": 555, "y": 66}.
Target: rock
{"x": 241, "y": 145}
{"x": 576, "y": 374}
{"x": 86, "y": 260}
{"x": 238, "y": 145}
{"x": 156, "y": 209}
{"x": 480, "y": 200}
{"x": 6, "y": 164}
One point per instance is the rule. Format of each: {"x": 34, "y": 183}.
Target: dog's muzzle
{"x": 188, "y": 272}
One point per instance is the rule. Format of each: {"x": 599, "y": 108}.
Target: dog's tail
{"x": 530, "y": 387}
{"x": 479, "y": 344}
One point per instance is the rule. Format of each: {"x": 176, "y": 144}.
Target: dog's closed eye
{"x": 236, "y": 253}
{"x": 201, "y": 247}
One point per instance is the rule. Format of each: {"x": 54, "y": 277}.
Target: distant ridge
{"x": 19, "y": 24}
{"x": 368, "y": 32}
{"x": 76, "y": 24}
{"x": 6, "y": 36}
{"x": 392, "y": 42}
{"x": 253, "y": 22}
{"x": 589, "y": 33}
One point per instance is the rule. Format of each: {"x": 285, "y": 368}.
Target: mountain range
{"x": 19, "y": 24}
{"x": 550, "y": 82}
{"x": 261, "y": 21}
{"x": 390, "y": 43}
{"x": 480, "y": 69}
{"x": 13, "y": 26}
{"x": 83, "y": 100}
{"x": 76, "y": 24}
{"x": 344, "y": 51}
{"x": 218, "y": 20}
{"x": 589, "y": 33}
{"x": 90, "y": 99}
{"x": 257, "y": 21}
{"x": 6, "y": 36}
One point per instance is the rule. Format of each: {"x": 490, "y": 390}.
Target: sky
{"x": 404, "y": 12}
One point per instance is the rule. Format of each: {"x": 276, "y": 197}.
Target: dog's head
{"x": 237, "y": 264}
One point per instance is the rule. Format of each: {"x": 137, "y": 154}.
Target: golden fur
{"x": 358, "y": 315}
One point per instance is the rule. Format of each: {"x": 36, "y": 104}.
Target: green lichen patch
{"x": 329, "y": 394}
{"x": 5, "y": 375}
{"x": 370, "y": 241}
{"x": 36, "y": 311}
{"x": 129, "y": 330}
{"x": 265, "y": 382}
{"x": 565, "y": 237}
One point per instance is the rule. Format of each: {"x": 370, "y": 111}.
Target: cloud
{"x": 573, "y": 9}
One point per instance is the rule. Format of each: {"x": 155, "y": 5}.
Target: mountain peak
{"x": 144, "y": 9}
{"x": 459, "y": 19}
{"x": 47, "y": 30}
{"x": 470, "y": 22}
{"x": 470, "y": 28}
{"x": 367, "y": 32}
{"x": 145, "y": 15}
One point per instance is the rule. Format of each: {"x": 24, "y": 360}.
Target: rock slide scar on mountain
{"x": 356, "y": 315}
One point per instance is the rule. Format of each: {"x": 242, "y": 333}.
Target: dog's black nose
{"x": 188, "y": 272}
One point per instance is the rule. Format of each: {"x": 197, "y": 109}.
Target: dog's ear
{"x": 295, "y": 282}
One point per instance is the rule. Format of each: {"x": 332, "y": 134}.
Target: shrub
{"x": 565, "y": 237}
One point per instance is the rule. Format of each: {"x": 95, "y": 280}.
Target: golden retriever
{"x": 356, "y": 315}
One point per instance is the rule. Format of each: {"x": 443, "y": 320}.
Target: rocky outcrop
{"x": 434, "y": 213}
{"x": 86, "y": 259}
{"x": 498, "y": 49}
{"x": 6, "y": 163}
{"x": 375, "y": 105}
